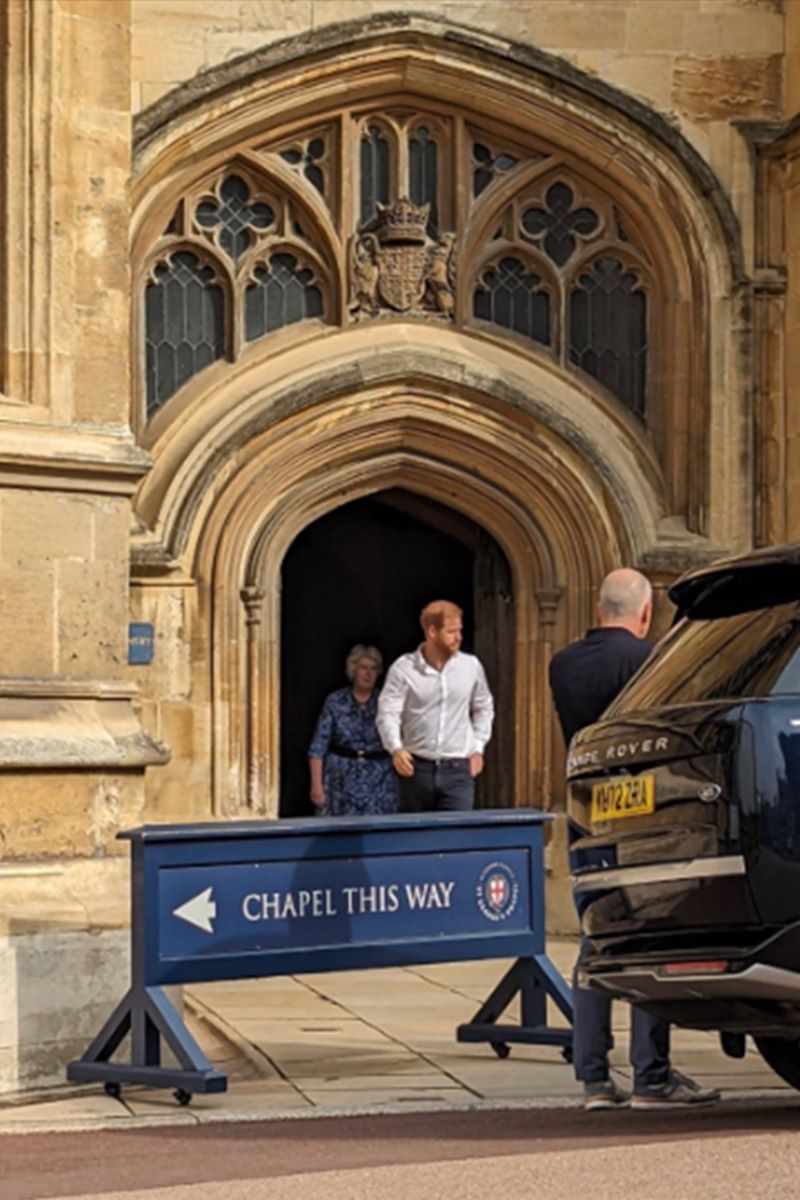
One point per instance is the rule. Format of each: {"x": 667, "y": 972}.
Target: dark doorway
{"x": 362, "y": 574}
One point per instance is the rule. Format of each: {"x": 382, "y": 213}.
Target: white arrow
{"x": 199, "y": 911}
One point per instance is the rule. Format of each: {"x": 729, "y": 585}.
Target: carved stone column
{"x": 775, "y": 148}
{"x": 253, "y": 600}
{"x": 548, "y": 600}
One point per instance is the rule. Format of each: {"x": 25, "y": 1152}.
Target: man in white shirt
{"x": 435, "y": 716}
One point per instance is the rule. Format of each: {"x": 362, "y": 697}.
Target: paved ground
{"x": 400, "y": 1110}
{"x": 740, "y": 1148}
{"x": 371, "y": 1042}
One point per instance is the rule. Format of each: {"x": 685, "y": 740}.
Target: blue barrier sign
{"x": 141, "y": 643}
{"x": 210, "y": 912}
{"x": 253, "y": 899}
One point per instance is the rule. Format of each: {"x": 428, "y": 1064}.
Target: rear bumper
{"x": 759, "y": 981}
{"x": 754, "y": 989}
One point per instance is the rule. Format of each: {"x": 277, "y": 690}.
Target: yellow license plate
{"x": 623, "y": 796}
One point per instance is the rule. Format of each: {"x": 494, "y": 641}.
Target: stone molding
{"x": 29, "y": 33}
{"x": 53, "y": 724}
{"x": 356, "y": 367}
{"x": 775, "y": 150}
{"x": 70, "y": 459}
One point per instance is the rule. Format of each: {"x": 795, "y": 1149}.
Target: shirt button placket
{"x": 442, "y": 704}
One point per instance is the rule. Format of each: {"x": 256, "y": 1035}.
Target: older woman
{"x": 351, "y": 773}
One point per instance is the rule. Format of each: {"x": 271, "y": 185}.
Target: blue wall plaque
{"x": 141, "y": 643}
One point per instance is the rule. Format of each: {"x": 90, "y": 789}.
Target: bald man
{"x": 584, "y": 678}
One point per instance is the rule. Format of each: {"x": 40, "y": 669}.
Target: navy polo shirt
{"x": 586, "y": 676}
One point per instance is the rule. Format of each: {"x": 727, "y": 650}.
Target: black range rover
{"x": 686, "y": 801}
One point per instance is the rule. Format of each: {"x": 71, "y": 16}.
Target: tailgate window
{"x": 748, "y": 655}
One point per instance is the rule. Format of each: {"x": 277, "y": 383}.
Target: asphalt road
{"x": 735, "y": 1149}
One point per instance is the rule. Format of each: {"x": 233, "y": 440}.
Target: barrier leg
{"x": 534, "y": 979}
{"x": 149, "y": 1015}
{"x": 113, "y": 1032}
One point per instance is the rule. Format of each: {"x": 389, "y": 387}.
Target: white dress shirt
{"x": 435, "y": 714}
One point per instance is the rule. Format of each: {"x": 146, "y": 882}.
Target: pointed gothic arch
{"x": 243, "y": 474}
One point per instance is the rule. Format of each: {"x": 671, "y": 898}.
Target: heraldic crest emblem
{"x": 396, "y": 265}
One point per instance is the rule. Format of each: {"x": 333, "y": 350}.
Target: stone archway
{"x": 251, "y": 483}
{"x": 524, "y": 454}
{"x": 262, "y": 600}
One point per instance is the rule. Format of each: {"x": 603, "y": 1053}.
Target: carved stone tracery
{"x": 397, "y": 211}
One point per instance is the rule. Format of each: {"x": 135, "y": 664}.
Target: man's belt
{"x": 439, "y": 762}
{"x": 367, "y": 755}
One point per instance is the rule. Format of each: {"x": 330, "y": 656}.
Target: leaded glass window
{"x": 374, "y": 172}
{"x": 184, "y": 324}
{"x": 280, "y": 294}
{"x": 487, "y": 166}
{"x": 561, "y": 262}
{"x": 510, "y": 294}
{"x": 423, "y": 165}
{"x": 608, "y": 329}
{"x": 307, "y": 159}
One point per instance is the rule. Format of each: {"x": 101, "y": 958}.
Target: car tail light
{"x": 714, "y": 966}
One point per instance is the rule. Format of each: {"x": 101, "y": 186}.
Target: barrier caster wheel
{"x": 113, "y": 1090}
{"x": 501, "y": 1049}
{"x": 566, "y": 1054}
{"x": 184, "y": 1098}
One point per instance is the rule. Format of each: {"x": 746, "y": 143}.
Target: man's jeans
{"x": 442, "y": 786}
{"x": 592, "y": 1040}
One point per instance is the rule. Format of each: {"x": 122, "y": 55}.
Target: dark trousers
{"x": 592, "y": 1040}
{"x": 442, "y": 786}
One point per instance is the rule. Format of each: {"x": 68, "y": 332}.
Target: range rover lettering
{"x": 685, "y": 799}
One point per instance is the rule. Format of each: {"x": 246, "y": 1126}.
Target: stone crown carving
{"x": 402, "y": 222}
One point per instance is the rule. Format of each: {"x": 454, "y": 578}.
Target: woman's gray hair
{"x": 362, "y": 652}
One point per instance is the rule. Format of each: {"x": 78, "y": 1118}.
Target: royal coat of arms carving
{"x": 398, "y": 266}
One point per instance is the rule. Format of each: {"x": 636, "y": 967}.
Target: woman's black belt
{"x": 346, "y": 752}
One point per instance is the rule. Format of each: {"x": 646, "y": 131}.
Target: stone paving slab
{"x": 243, "y": 1098}
{"x": 89, "y": 1106}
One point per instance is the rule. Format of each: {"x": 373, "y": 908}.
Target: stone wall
{"x": 72, "y": 749}
{"x": 791, "y": 230}
{"x": 68, "y": 464}
{"x": 700, "y": 59}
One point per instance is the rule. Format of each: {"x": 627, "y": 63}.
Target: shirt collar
{"x": 422, "y": 664}
{"x": 601, "y": 631}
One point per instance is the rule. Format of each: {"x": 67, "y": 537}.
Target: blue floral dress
{"x": 353, "y": 786}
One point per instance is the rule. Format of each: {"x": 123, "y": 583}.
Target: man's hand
{"x": 475, "y": 765}
{"x": 403, "y": 763}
